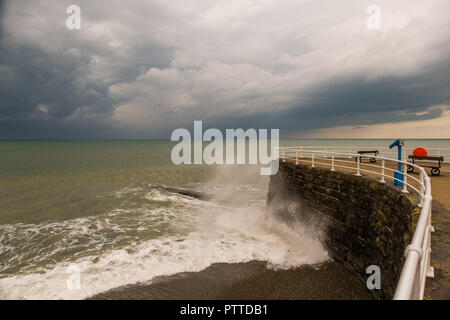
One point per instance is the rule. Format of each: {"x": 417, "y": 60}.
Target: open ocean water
{"x": 99, "y": 206}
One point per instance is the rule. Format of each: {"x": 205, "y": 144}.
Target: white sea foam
{"x": 239, "y": 235}
{"x": 219, "y": 235}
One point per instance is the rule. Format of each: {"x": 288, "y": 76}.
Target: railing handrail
{"x": 361, "y": 147}
{"x": 417, "y": 264}
{"x": 439, "y": 151}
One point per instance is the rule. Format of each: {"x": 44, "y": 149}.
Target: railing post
{"x": 350, "y": 151}
{"x": 296, "y": 157}
{"x": 430, "y": 269}
{"x": 332, "y": 163}
{"x": 382, "y": 171}
{"x": 405, "y": 177}
{"x": 358, "y": 169}
{"x": 282, "y": 156}
{"x": 312, "y": 160}
{"x": 422, "y": 193}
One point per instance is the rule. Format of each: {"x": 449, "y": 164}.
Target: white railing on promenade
{"x": 417, "y": 265}
{"x": 384, "y": 151}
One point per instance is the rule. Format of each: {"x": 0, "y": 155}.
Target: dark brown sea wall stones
{"x": 362, "y": 222}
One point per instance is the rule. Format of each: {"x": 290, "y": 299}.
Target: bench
{"x": 371, "y": 159}
{"x": 435, "y": 169}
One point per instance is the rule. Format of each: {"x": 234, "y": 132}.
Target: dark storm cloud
{"x": 141, "y": 69}
{"x": 53, "y": 84}
{"x": 2, "y": 11}
{"x": 355, "y": 101}
{"x": 358, "y": 102}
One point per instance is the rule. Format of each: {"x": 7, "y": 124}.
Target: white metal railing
{"x": 417, "y": 265}
{"x": 384, "y": 151}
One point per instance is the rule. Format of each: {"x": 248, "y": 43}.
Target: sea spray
{"x": 226, "y": 236}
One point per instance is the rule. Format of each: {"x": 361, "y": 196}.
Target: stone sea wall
{"x": 362, "y": 222}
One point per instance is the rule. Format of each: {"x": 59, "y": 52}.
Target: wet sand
{"x": 246, "y": 281}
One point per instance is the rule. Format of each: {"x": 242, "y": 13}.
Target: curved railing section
{"x": 417, "y": 265}
{"x": 384, "y": 151}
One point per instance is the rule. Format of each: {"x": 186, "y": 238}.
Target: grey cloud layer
{"x": 140, "y": 69}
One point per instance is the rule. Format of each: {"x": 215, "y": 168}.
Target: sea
{"x": 103, "y": 212}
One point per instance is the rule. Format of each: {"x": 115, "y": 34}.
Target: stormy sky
{"x": 140, "y": 69}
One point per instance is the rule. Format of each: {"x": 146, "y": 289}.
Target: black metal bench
{"x": 435, "y": 169}
{"x": 371, "y": 159}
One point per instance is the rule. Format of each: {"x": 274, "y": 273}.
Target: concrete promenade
{"x": 439, "y": 287}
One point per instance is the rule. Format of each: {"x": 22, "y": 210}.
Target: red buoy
{"x": 420, "y": 152}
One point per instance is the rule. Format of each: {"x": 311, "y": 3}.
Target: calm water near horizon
{"x": 98, "y": 205}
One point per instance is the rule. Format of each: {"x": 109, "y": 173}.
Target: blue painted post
{"x": 398, "y": 175}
